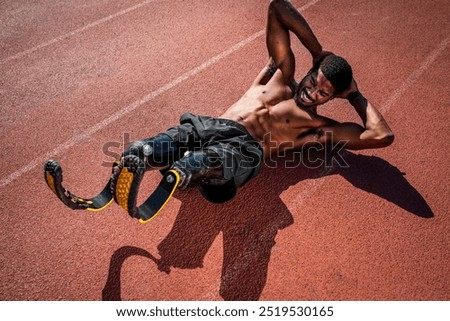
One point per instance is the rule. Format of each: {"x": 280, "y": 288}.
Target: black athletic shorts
{"x": 240, "y": 153}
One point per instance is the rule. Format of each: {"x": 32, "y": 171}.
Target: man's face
{"x": 315, "y": 89}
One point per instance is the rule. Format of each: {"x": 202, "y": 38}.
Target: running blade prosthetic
{"x": 53, "y": 176}
{"x": 125, "y": 185}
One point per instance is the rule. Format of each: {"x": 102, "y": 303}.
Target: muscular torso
{"x": 272, "y": 117}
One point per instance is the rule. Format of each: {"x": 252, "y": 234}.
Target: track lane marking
{"x": 410, "y": 80}
{"x": 75, "y": 32}
{"x": 124, "y": 111}
{"x": 312, "y": 186}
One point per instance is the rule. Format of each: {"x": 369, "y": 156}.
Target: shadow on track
{"x": 377, "y": 176}
{"x": 250, "y": 222}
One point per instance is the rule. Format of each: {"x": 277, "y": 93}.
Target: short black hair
{"x": 337, "y": 70}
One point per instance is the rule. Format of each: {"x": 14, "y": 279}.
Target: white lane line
{"x": 407, "y": 83}
{"x": 307, "y": 5}
{"x": 415, "y": 75}
{"x": 313, "y": 185}
{"x": 75, "y": 32}
{"x": 124, "y": 111}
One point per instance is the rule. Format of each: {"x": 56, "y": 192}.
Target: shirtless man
{"x": 275, "y": 104}
{"x": 218, "y": 155}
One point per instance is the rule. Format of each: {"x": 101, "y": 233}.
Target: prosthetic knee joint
{"x": 158, "y": 152}
{"x": 199, "y": 167}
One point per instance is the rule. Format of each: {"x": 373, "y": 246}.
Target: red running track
{"x": 75, "y": 77}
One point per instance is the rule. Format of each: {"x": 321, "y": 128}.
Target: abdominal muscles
{"x": 271, "y": 117}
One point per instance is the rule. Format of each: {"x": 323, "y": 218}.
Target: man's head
{"x": 329, "y": 77}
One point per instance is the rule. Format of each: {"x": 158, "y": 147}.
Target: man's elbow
{"x": 272, "y": 4}
{"x": 373, "y": 139}
{"x": 277, "y": 5}
{"x": 384, "y": 140}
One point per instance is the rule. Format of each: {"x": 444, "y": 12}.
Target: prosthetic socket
{"x": 195, "y": 168}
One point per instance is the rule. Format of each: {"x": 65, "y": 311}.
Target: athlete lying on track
{"x": 218, "y": 155}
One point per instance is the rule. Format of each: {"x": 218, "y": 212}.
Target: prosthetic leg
{"x": 197, "y": 168}
{"x": 158, "y": 153}
{"x": 53, "y": 176}
{"x": 194, "y": 169}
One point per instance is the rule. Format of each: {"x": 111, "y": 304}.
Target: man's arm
{"x": 282, "y": 18}
{"x": 375, "y": 133}
{"x": 266, "y": 74}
